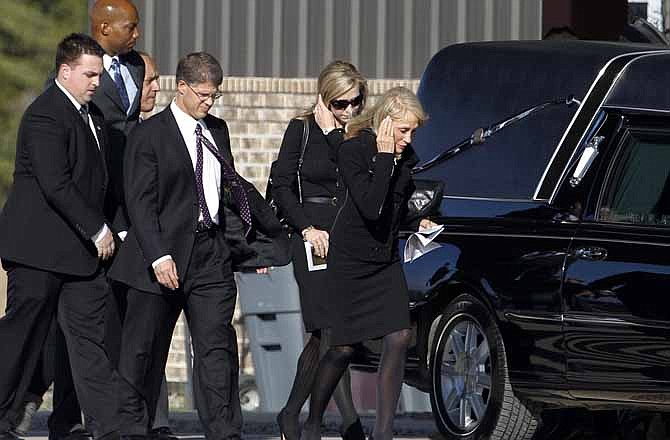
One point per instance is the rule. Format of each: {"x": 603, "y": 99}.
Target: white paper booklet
{"x": 421, "y": 243}
{"x": 314, "y": 262}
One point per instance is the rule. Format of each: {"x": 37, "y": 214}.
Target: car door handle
{"x": 591, "y": 253}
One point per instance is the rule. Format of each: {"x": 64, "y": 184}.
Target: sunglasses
{"x": 342, "y": 104}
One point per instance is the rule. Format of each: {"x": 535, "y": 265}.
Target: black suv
{"x": 551, "y": 288}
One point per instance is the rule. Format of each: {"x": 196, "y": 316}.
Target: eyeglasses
{"x": 342, "y": 104}
{"x": 205, "y": 96}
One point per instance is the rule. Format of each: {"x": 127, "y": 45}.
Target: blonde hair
{"x": 336, "y": 79}
{"x": 396, "y": 103}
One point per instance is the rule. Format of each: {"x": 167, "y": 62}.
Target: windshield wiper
{"x": 480, "y": 135}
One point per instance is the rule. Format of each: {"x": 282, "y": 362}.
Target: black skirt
{"x": 369, "y": 300}
{"x": 314, "y": 303}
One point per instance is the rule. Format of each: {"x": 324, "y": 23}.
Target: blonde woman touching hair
{"x": 307, "y": 189}
{"x": 368, "y": 291}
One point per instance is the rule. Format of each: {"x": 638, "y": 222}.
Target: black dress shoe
{"x": 77, "y": 433}
{"x": 162, "y": 433}
{"x": 354, "y": 431}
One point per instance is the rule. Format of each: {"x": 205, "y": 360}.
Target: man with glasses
{"x": 179, "y": 178}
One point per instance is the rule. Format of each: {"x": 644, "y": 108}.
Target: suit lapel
{"x": 222, "y": 141}
{"x": 172, "y": 132}
{"x": 137, "y": 74}
{"x": 92, "y": 144}
{"x": 98, "y": 123}
{"x": 109, "y": 88}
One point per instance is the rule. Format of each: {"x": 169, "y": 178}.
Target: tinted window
{"x": 638, "y": 189}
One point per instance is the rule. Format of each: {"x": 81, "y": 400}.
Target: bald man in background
{"x": 115, "y": 26}
{"x": 150, "y": 88}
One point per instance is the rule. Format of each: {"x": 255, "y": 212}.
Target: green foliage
{"x": 29, "y": 33}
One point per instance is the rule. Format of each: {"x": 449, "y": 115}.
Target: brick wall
{"x": 258, "y": 110}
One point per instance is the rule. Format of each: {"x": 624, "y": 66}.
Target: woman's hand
{"x": 318, "y": 239}
{"x": 324, "y": 117}
{"x": 426, "y": 224}
{"x": 385, "y": 143}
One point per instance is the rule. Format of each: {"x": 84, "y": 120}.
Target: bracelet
{"x": 305, "y": 231}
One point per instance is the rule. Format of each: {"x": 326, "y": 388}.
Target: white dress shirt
{"x": 103, "y": 231}
{"x": 131, "y": 87}
{"x": 211, "y": 168}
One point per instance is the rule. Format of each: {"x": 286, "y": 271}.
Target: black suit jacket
{"x": 119, "y": 125}
{"x": 56, "y": 201}
{"x": 162, "y": 202}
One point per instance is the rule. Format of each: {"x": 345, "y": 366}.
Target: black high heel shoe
{"x": 354, "y": 431}
{"x": 289, "y": 425}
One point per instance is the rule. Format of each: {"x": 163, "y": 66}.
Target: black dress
{"x": 319, "y": 179}
{"x": 367, "y": 286}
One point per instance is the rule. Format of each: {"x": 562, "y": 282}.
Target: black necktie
{"x": 229, "y": 177}
{"x": 83, "y": 111}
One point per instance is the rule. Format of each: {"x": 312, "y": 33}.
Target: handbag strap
{"x": 303, "y": 147}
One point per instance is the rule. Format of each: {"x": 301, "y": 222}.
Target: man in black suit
{"x": 179, "y": 250}
{"x": 115, "y": 26}
{"x": 53, "y": 237}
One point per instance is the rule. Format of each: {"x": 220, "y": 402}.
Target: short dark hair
{"x": 74, "y": 46}
{"x": 198, "y": 68}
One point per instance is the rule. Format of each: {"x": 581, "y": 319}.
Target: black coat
{"x": 119, "y": 125}
{"x": 56, "y": 202}
{"x": 163, "y": 205}
{"x": 319, "y": 176}
{"x": 375, "y": 204}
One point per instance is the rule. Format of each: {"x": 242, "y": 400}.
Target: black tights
{"x": 315, "y": 349}
{"x": 389, "y": 381}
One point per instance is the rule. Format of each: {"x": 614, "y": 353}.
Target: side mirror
{"x": 586, "y": 159}
{"x": 426, "y": 198}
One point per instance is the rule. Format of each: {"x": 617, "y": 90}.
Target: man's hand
{"x": 166, "y": 274}
{"x": 105, "y": 245}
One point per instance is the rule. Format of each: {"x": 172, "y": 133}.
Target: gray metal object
{"x": 270, "y": 306}
{"x": 296, "y": 38}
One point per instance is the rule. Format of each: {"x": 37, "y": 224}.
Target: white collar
{"x": 107, "y": 61}
{"x": 184, "y": 120}
{"x": 69, "y": 95}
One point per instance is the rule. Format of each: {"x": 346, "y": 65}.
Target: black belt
{"x": 322, "y": 200}
{"x": 201, "y": 227}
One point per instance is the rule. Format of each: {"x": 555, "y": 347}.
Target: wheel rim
{"x": 466, "y": 375}
{"x": 250, "y": 400}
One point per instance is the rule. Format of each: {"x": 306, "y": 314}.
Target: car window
{"x": 638, "y": 188}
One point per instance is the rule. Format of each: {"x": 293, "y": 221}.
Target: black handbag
{"x": 268, "y": 187}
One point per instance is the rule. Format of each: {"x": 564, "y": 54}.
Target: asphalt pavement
{"x": 565, "y": 425}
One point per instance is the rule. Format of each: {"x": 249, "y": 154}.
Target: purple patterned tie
{"x": 229, "y": 177}
{"x": 202, "y": 203}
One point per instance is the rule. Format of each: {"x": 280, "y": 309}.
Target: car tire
{"x": 471, "y": 395}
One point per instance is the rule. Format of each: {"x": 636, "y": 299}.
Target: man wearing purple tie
{"x": 183, "y": 195}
